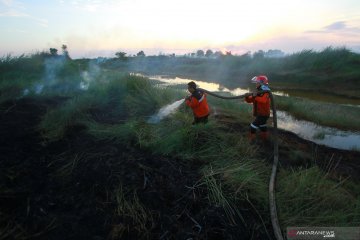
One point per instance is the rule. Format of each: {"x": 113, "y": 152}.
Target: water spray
{"x": 272, "y": 201}
{"x": 165, "y": 111}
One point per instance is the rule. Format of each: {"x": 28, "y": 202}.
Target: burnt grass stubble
{"x": 64, "y": 189}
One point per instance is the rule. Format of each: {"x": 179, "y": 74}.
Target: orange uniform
{"x": 261, "y": 104}
{"x": 261, "y": 107}
{"x": 198, "y": 103}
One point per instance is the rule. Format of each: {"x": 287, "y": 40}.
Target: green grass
{"x": 217, "y": 197}
{"x": 307, "y": 197}
{"x": 326, "y": 114}
{"x": 56, "y": 122}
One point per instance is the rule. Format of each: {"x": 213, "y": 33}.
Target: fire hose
{"x": 272, "y": 201}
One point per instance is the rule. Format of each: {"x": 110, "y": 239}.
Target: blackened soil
{"x": 82, "y": 188}
{"x": 295, "y": 152}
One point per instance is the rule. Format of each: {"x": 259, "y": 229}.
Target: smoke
{"x": 53, "y": 66}
{"x": 165, "y": 111}
{"x": 89, "y": 76}
{"x": 73, "y": 79}
{"x": 26, "y": 92}
{"x": 38, "y": 88}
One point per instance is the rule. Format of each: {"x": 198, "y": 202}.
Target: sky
{"x": 94, "y": 28}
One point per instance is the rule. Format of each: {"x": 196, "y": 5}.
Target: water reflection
{"x": 322, "y": 135}
{"x": 210, "y": 86}
{"x": 214, "y": 87}
{"x": 321, "y": 96}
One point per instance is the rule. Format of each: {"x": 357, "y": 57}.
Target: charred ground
{"x": 65, "y": 189}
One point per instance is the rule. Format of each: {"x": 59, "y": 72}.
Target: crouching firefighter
{"x": 198, "y": 103}
{"x": 261, "y": 107}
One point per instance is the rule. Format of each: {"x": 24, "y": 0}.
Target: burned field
{"x": 81, "y": 157}
{"x": 83, "y": 188}
{"x": 80, "y": 187}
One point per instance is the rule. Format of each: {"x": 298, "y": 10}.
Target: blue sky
{"x": 100, "y": 28}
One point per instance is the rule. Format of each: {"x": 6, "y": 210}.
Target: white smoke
{"x": 88, "y": 76}
{"x": 165, "y": 111}
{"x": 39, "y": 88}
{"x": 52, "y": 67}
{"x": 26, "y": 92}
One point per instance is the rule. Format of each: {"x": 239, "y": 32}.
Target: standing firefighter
{"x": 261, "y": 107}
{"x": 198, "y": 103}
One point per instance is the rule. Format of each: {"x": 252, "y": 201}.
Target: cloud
{"x": 336, "y": 26}
{"x": 340, "y": 27}
{"x": 14, "y": 13}
{"x": 7, "y": 2}
{"x": 86, "y": 5}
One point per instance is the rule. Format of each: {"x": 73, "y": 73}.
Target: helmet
{"x": 262, "y": 79}
{"x": 192, "y": 84}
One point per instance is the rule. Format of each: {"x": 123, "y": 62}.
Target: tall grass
{"x": 143, "y": 99}
{"x": 306, "y": 197}
{"x": 326, "y": 114}
{"x": 217, "y": 197}
{"x": 56, "y": 122}
{"x": 120, "y": 98}
{"x": 18, "y": 73}
{"x": 21, "y": 75}
{"x": 133, "y": 215}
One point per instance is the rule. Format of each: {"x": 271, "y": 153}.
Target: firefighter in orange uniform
{"x": 198, "y": 103}
{"x": 261, "y": 107}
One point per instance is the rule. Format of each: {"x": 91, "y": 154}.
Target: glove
{"x": 187, "y": 98}
{"x": 248, "y": 94}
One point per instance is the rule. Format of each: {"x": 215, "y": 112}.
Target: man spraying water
{"x": 198, "y": 103}
{"x": 261, "y": 107}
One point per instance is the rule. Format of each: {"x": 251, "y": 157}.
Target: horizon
{"x": 93, "y": 28}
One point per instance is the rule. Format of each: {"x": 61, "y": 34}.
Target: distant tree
{"x": 274, "y": 53}
{"x": 53, "y": 52}
{"x": 209, "y": 53}
{"x": 65, "y": 51}
{"x": 200, "y": 53}
{"x": 140, "y": 54}
{"x": 246, "y": 55}
{"x": 259, "y": 54}
{"x": 192, "y": 54}
{"x": 218, "y": 54}
{"x": 121, "y": 55}
{"x": 228, "y": 53}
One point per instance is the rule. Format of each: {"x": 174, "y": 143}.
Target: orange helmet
{"x": 262, "y": 79}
